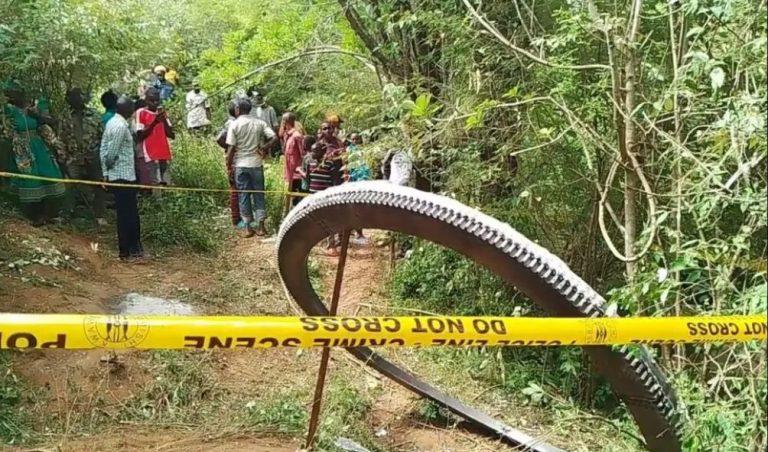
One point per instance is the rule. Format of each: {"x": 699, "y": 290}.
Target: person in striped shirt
{"x": 322, "y": 171}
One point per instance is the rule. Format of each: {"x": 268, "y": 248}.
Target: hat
{"x": 159, "y": 68}
{"x": 334, "y": 119}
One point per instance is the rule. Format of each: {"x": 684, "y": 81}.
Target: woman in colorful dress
{"x": 30, "y": 156}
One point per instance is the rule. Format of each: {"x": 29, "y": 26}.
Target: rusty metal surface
{"x": 635, "y": 377}
{"x": 317, "y": 400}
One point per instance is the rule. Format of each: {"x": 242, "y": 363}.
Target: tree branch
{"x": 370, "y": 43}
{"x": 309, "y": 52}
{"x": 496, "y": 33}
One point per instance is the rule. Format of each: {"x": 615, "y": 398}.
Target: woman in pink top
{"x": 293, "y": 149}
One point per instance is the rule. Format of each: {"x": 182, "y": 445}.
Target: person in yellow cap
{"x": 335, "y": 121}
{"x": 173, "y": 77}
{"x": 161, "y": 83}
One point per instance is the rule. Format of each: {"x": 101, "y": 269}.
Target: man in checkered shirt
{"x": 117, "y": 164}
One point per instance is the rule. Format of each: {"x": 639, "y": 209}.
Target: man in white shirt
{"x": 266, "y": 113}
{"x": 248, "y": 141}
{"x": 198, "y": 109}
{"x": 400, "y": 167}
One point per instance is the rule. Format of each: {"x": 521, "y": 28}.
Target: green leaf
{"x": 512, "y": 93}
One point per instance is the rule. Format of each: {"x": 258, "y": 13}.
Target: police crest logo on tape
{"x": 115, "y": 330}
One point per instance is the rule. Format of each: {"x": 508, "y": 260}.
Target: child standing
{"x": 320, "y": 170}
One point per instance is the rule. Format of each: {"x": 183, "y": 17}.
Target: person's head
{"x": 138, "y": 102}
{"x": 196, "y": 87}
{"x": 125, "y": 107}
{"x": 289, "y": 119}
{"x": 355, "y": 138}
{"x": 327, "y": 130}
{"x": 243, "y": 107}
{"x": 109, "y": 100}
{"x": 232, "y": 108}
{"x": 258, "y": 99}
{"x": 335, "y": 121}
{"x": 318, "y": 150}
{"x": 152, "y": 98}
{"x": 160, "y": 72}
{"x": 309, "y": 140}
{"x": 76, "y": 99}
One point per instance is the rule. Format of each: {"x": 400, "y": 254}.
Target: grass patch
{"x": 191, "y": 221}
{"x": 284, "y": 413}
{"x": 15, "y": 425}
{"x": 344, "y": 415}
{"x": 184, "y": 390}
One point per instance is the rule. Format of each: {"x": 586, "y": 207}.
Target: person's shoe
{"x": 249, "y": 232}
{"x": 261, "y": 231}
{"x": 241, "y": 225}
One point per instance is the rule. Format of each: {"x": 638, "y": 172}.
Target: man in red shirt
{"x": 293, "y": 148}
{"x": 153, "y": 129}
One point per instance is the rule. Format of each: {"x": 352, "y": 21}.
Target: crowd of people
{"x": 129, "y": 144}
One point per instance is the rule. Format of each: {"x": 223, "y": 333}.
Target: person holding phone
{"x": 153, "y": 130}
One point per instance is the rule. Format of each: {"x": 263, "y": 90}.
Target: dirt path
{"x": 68, "y": 389}
{"x": 150, "y": 439}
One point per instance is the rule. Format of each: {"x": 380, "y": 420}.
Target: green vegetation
{"x": 15, "y": 425}
{"x": 284, "y": 413}
{"x": 182, "y": 389}
{"x": 627, "y": 137}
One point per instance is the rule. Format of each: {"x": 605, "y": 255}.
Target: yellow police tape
{"x": 23, "y": 331}
{"x": 144, "y": 187}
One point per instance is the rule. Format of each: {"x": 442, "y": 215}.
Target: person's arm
{"x": 263, "y": 150}
{"x": 168, "y": 127}
{"x": 145, "y": 130}
{"x": 221, "y": 140}
{"x": 230, "y": 157}
{"x": 189, "y": 103}
{"x": 271, "y": 141}
{"x": 109, "y": 150}
{"x": 231, "y": 143}
{"x": 273, "y": 118}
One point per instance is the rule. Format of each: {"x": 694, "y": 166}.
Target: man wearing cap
{"x": 198, "y": 109}
{"x": 261, "y": 110}
{"x": 165, "y": 87}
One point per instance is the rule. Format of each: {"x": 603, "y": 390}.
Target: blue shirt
{"x": 166, "y": 89}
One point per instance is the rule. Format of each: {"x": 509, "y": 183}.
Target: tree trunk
{"x": 631, "y": 181}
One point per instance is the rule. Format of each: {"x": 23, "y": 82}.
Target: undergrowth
{"x": 723, "y": 396}
{"x": 184, "y": 390}
{"x": 15, "y": 425}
